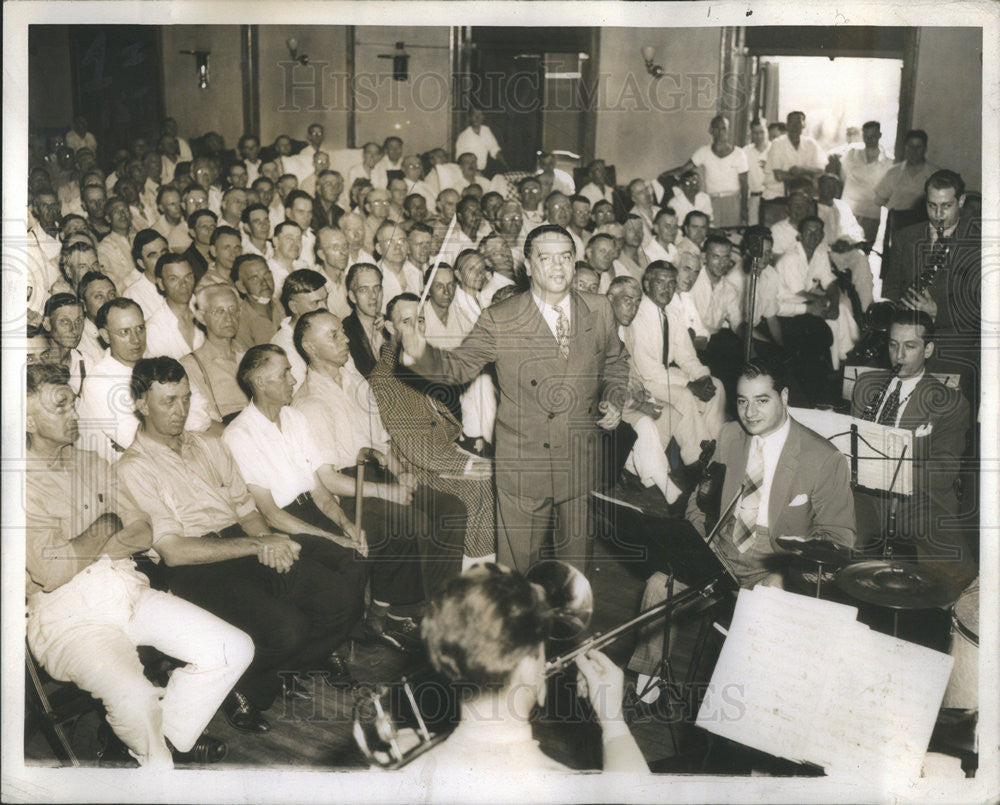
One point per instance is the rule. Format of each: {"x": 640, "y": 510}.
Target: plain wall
{"x": 647, "y": 125}
{"x": 417, "y": 110}
{"x": 948, "y": 99}
{"x": 50, "y": 87}
{"x": 219, "y": 107}
{"x": 292, "y": 96}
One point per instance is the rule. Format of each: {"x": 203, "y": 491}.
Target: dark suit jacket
{"x": 547, "y": 441}
{"x": 811, "y": 474}
{"x": 956, "y": 289}
{"x": 937, "y": 454}
{"x": 321, "y": 219}
{"x": 361, "y": 347}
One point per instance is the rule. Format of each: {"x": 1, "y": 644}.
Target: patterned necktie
{"x": 562, "y": 331}
{"x": 891, "y": 407}
{"x": 745, "y": 528}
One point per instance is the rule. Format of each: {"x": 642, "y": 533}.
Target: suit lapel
{"x": 784, "y": 473}
{"x": 581, "y": 333}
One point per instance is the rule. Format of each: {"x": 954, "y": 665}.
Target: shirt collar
{"x": 779, "y": 436}
{"x": 545, "y": 307}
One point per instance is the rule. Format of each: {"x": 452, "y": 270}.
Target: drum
{"x": 963, "y": 686}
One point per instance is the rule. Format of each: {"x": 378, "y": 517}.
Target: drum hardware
{"x": 826, "y": 555}
{"x": 963, "y": 686}
{"x": 570, "y": 600}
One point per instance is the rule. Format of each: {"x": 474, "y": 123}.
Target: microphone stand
{"x": 748, "y": 345}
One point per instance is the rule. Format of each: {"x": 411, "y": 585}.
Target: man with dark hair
{"x": 172, "y": 330}
{"x": 302, "y": 291}
{"x": 364, "y": 325}
{"x": 256, "y": 226}
{"x": 260, "y": 312}
{"x": 234, "y": 201}
{"x": 248, "y": 147}
{"x": 936, "y": 267}
{"x": 862, "y": 167}
{"x": 297, "y": 599}
{"x": 201, "y": 227}
{"x": 93, "y": 291}
{"x": 695, "y": 230}
{"x": 115, "y": 249}
{"x": 63, "y": 320}
{"x": 225, "y": 246}
{"x": 597, "y": 187}
{"x": 661, "y": 246}
{"x": 299, "y": 209}
{"x": 785, "y": 480}
{"x": 902, "y": 186}
{"x": 147, "y": 248}
{"x": 88, "y": 606}
{"x": 486, "y": 634}
{"x": 562, "y": 374}
{"x": 171, "y": 223}
{"x": 331, "y": 261}
{"x": 795, "y": 157}
{"x": 529, "y": 192}
{"x": 911, "y": 397}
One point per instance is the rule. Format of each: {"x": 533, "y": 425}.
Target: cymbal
{"x": 816, "y": 550}
{"x": 896, "y": 584}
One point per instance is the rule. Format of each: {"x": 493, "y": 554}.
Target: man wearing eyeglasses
{"x": 562, "y": 373}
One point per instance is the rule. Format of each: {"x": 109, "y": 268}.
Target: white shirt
{"x": 551, "y": 316}
{"x": 250, "y": 248}
{"x": 681, "y": 205}
{"x": 145, "y": 294}
{"x": 163, "y": 335}
{"x": 772, "y": 445}
{"x": 785, "y": 237}
{"x": 491, "y": 286}
{"x": 93, "y": 352}
{"x": 798, "y": 273}
{"x": 483, "y": 144}
{"x": 284, "y": 338}
{"x": 465, "y": 309}
{"x": 282, "y": 461}
{"x": 655, "y": 251}
{"x": 686, "y": 305}
{"x": 861, "y": 177}
{"x": 782, "y": 155}
{"x": 343, "y": 418}
{"x": 906, "y": 387}
{"x": 106, "y": 409}
{"x": 176, "y": 235}
{"x": 391, "y": 285}
{"x": 839, "y": 223}
{"x": 722, "y": 174}
{"x": 644, "y": 340}
{"x": 718, "y": 305}
{"x": 593, "y": 193}
{"x": 115, "y": 255}
{"x": 439, "y": 334}
{"x": 756, "y": 160}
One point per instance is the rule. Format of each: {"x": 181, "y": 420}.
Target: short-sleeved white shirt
{"x": 722, "y": 174}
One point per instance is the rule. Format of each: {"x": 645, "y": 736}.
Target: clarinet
{"x": 872, "y": 408}
{"x": 939, "y": 256}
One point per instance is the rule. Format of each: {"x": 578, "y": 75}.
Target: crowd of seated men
{"x": 213, "y": 339}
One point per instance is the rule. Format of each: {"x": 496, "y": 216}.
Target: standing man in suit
{"x": 562, "y": 372}
{"x": 939, "y": 418}
{"x": 790, "y": 482}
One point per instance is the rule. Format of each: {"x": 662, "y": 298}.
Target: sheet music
{"x": 814, "y": 685}
{"x": 878, "y": 447}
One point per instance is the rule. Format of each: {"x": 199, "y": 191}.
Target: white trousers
{"x": 479, "y": 408}
{"x": 690, "y": 420}
{"x": 86, "y": 632}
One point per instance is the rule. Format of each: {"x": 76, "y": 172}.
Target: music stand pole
{"x": 890, "y": 531}
{"x": 748, "y": 346}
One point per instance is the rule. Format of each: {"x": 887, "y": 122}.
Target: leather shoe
{"x": 206, "y": 750}
{"x": 111, "y": 751}
{"x": 402, "y": 634}
{"x": 338, "y": 672}
{"x": 243, "y": 715}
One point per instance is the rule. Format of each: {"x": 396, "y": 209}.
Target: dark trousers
{"x": 423, "y": 542}
{"x": 808, "y": 340}
{"x": 724, "y": 357}
{"x": 295, "y": 619}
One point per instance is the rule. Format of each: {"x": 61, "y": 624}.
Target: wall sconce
{"x": 293, "y": 50}
{"x": 654, "y": 70}
{"x": 400, "y": 62}
{"x": 201, "y": 59}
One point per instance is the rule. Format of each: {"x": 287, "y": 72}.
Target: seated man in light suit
{"x": 664, "y": 358}
{"x": 789, "y": 481}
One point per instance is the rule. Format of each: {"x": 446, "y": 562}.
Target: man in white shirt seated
{"x": 795, "y": 157}
{"x": 807, "y": 297}
{"x": 559, "y": 211}
{"x": 93, "y": 291}
{"x": 486, "y": 633}
{"x": 299, "y": 208}
{"x": 107, "y": 411}
{"x": 561, "y": 180}
{"x": 444, "y": 330}
{"x": 43, "y": 246}
{"x": 597, "y": 189}
{"x": 171, "y": 222}
{"x": 226, "y": 246}
{"x": 419, "y": 246}
{"x": 115, "y": 250}
{"x": 172, "y": 330}
{"x": 390, "y": 256}
{"x": 147, "y": 248}
{"x": 256, "y": 225}
{"x": 303, "y": 290}
{"x": 392, "y": 160}
{"x": 63, "y": 321}
{"x": 331, "y": 261}
{"x": 662, "y": 246}
{"x": 600, "y": 256}
{"x": 211, "y": 368}
{"x": 529, "y": 192}
{"x": 477, "y": 139}
{"x": 664, "y": 358}
{"x": 500, "y": 262}
{"x": 469, "y": 229}
{"x": 689, "y": 196}
{"x": 370, "y": 155}
{"x": 287, "y": 255}
{"x": 844, "y": 237}
{"x": 695, "y": 230}
{"x": 88, "y": 606}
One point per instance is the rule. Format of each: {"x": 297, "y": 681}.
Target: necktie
{"x": 666, "y": 340}
{"x": 562, "y": 331}
{"x": 891, "y": 407}
{"x": 745, "y": 528}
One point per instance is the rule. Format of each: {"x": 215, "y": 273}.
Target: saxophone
{"x": 871, "y": 347}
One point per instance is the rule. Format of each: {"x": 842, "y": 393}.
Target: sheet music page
{"x": 817, "y": 686}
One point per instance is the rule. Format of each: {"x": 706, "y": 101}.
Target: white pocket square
{"x": 800, "y": 500}
{"x": 924, "y": 430}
